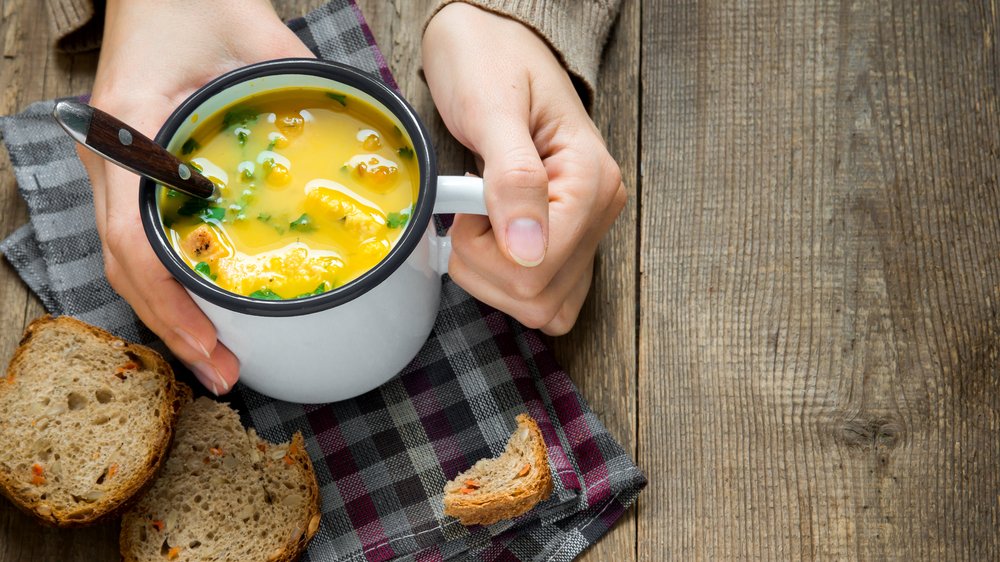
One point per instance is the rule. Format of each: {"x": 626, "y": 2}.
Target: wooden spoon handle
{"x": 127, "y": 147}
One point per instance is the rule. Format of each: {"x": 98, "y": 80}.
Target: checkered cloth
{"x": 381, "y": 459}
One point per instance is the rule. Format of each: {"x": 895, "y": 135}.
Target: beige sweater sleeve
{"x": 74, "y": 23}
{"x": 576, "y": 30}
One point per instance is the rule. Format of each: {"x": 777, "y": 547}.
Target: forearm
{"x": 575, "y": 30}
{"x": 188, "y": 20}
{"x": 78, "y": 25}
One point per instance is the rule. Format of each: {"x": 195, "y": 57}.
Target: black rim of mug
{"x": 419, "y": 218}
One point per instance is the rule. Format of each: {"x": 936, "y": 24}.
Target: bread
{"x": 85, "y": 421}
{"x": 224, "y": 494}
{"x": 506, "y": 486}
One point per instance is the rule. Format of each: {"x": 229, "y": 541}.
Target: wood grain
{"x": 818, "y": 374}
{"x": 600, "y": 352}
{"x": 30, "y": 70}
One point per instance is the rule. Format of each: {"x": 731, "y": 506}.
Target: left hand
{"x": 553, "y": 191}
{"x": 154, "y": 55}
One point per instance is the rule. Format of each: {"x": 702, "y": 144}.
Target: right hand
{"x": 554, "y": 190}
{"x": 154, "y": 55}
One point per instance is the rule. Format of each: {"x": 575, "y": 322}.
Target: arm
{"x": 553, "y": 190}
{"x": 575, "y": 30}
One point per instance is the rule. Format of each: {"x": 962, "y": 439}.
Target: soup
{"x": 315, "y": 188}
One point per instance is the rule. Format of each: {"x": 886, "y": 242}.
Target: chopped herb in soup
{"x": 316, "y": 187}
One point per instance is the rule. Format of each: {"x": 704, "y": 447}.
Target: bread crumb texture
{"x": 506, "y": 486}
{"x": 85, "y": 420}
{"x": 224, "y": 495}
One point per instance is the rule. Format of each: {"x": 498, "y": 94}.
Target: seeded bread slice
{"x": 504, "y": 487}
{"x": 85, "y": 421}
{"x": 224, "y": 495}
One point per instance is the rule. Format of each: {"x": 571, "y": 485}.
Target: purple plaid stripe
{"x": 389, "y": 452}
{"x": 383, "y": 67}
{"x": 381, "y": 459}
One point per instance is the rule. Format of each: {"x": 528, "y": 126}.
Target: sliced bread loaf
{"x": 224, "y": 495}
{"x": 85, "y": 421}
{"x": 506, "y": 486}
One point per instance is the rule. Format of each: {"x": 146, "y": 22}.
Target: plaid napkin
{"x": 381, "y": 459}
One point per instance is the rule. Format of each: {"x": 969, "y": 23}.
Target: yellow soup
{"x": 316, "y": 187}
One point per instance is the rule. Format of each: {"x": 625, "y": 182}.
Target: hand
{"x": 553, "y": 190}
{"x": 154, "y": 55}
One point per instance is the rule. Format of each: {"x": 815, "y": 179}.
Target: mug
{"x": 355, "y": 337}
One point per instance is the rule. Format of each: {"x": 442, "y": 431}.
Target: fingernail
{"x": 525, "y": 242}
{"x": 208, "y": 375}
{"x": 192, "y": 342}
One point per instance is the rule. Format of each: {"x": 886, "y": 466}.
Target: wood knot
{"x": 876, "y": 433}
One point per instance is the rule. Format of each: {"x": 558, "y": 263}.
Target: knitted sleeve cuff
{"x": 77, "y": 24}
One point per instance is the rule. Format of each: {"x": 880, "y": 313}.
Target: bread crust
{"x": 115, "y": 502}
{"x": 298, "y": 454}
{"x": 293, "y": 549}
{"x": 486, "y": 508}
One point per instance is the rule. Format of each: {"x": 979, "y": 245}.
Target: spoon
{"x": 121, "y": 144}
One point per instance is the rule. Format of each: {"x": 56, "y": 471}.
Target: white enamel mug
{"x": 357, "y": 336}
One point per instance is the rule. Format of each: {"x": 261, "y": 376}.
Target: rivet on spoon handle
{"x": 123, "y": 145}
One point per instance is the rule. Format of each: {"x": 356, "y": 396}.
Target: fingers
{"x": 517, "y": 193}
{"x": 473, "y": 242}
{"x": 227, "y": 364}
{"x": 168, "y": 311}
{"x": 554, "y": 309}
{"x": 578, "y": 218}
{"x": 586, "y": 198}
{"x": 570, "y": 309}
{"x": 137, "y": 275}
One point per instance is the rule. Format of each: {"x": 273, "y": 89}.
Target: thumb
{"x": 517, "y": 193}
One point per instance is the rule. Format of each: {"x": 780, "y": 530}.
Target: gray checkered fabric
{"x": 381, "y": 459}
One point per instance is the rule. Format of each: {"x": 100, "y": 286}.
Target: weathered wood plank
{"x": 818, "y": 372}
{"x": 17, "y": 27}
{"x": 600, "y": 353}
{"x": 398, "y": 30}
{"x": 29, "y": 71}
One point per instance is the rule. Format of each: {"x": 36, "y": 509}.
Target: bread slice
{"x": 85, "y": 421}
{"x": 504, "y": 487}
{"x": 224, "y": 494}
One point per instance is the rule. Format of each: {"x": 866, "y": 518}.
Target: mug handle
{"x": 455, "y": 194}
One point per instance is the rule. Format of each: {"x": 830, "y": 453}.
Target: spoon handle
{"x": 121, "y": 144}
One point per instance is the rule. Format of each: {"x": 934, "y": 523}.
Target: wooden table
{"x": 794, "y": 327}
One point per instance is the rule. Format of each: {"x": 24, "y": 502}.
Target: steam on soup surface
{"x": 316, "y": 187}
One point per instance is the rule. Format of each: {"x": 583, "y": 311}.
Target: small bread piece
{"x": 504, "y": 487}
{"x": 85, "y": 421}
{"x": 224, "y": 494}
{"x": 203, "y": 244}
